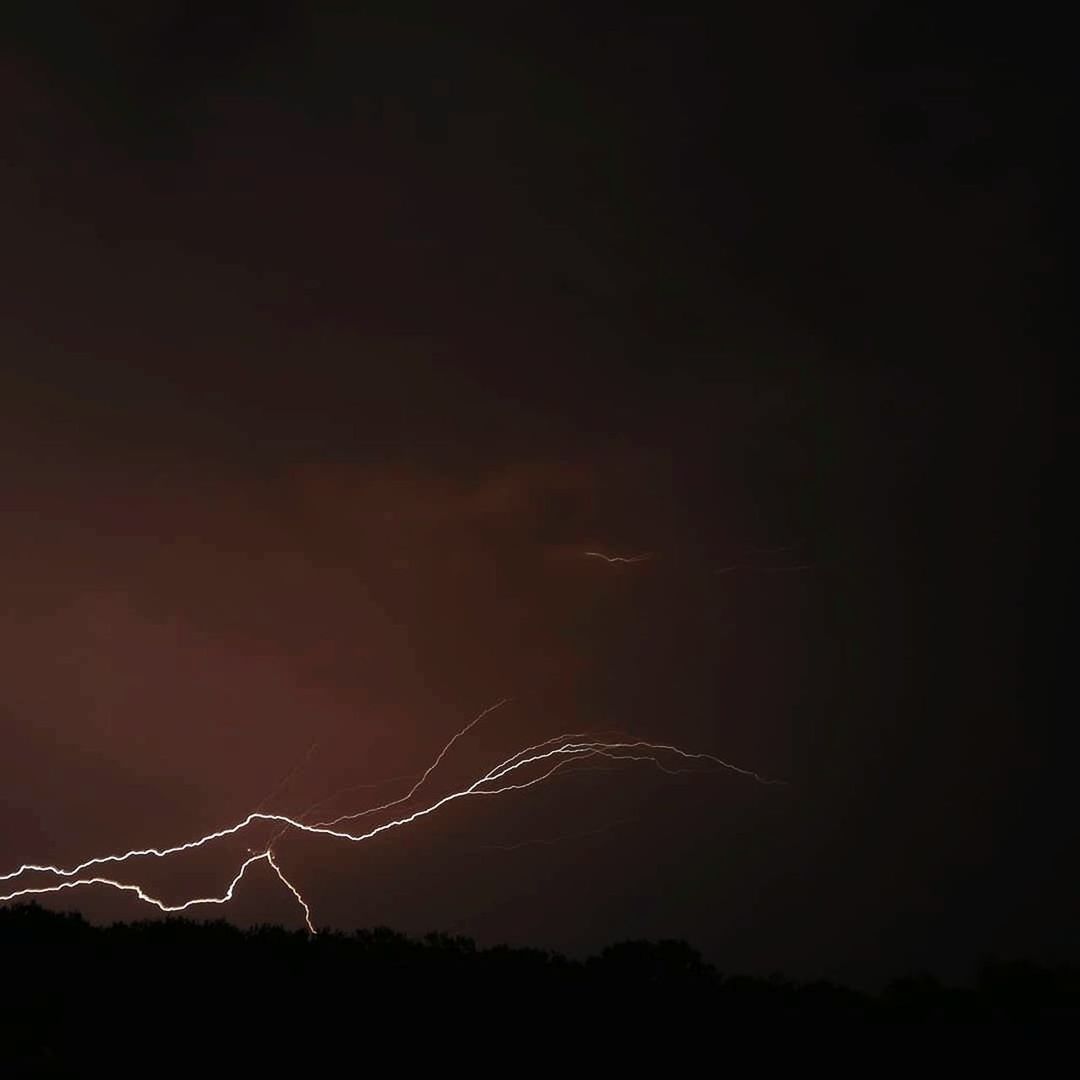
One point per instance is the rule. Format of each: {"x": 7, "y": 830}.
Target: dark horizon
{"x": 291, "y": 998}
{"x": 335, "y": 347}
{"x": 1017, "y": 986}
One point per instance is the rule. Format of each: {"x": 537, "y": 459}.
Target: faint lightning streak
{"x": 555, "y": 739}
{"x": 337, "y": 795}
{"x": 620, "y": 558}
{"x": 427, "y": 772}
{"x": 284, "y": 782}
{"x": 412, "y": 776}
{"x": 370, "y": 786}
{"x": 394, "y": 802}
{"x": 641, "y": 744}
{"x": 638, "y": 757}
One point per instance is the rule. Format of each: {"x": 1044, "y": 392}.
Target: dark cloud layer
{"x": 331, "y": 344}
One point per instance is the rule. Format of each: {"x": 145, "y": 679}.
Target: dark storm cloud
{"x": 330, "y": 341}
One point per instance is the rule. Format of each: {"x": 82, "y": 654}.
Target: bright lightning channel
{"x": 553, "y": 754}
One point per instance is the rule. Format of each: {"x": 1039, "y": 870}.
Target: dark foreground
{"x": 204, "y": 998}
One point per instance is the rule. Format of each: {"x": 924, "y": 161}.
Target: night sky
{"x": 330, "y": 345}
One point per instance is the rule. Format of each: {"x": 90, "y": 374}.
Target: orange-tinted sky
{"x": 331, "y": 346}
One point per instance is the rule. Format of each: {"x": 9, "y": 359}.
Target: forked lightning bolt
{"x": 137, "y": 890}
{"x": 292, "y": 888}
{"x": 523, "y": 769}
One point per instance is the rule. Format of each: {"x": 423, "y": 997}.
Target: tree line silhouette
{"x": 69, "y": 989}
